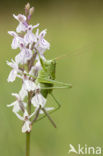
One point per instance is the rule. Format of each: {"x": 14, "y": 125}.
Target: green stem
{"x": 30, "y": 64}
{"x": 28, "y": 133}
{"x": 29, "y": 103}
{"x": 27, "y": 144}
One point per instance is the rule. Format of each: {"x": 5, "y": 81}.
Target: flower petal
{"x": 23, "y": 56}
{"x": 21, "y": 27}
{"x": 10, "y": 105}
{"x": 16, "y": 107}
{"x": 20, "y": 17}
{"x": 12, "y": 76}
{"x": 26, "y": 127}
{"x": 38, "y": 100}
{"x": 14, "y": 44}
{"x": 12, "y": 33}
{"x": 23, "y": 93}
{"x": 29, "y": 85}
{"x": 19, "y": 116}
{"x": 30, "y": 37}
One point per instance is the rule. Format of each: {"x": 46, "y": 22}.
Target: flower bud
{"x": 31, "y": 11}
{"x": 27, "y": 6}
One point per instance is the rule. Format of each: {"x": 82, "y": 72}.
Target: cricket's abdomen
{"x": 46, "y": 91}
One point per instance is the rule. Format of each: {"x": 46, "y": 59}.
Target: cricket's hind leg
{"x": 57, "y": 108}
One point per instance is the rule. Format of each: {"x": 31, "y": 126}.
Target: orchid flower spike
{"x": 26, "y": 65}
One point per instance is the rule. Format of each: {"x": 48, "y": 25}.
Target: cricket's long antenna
{"x": 75, "y": 52}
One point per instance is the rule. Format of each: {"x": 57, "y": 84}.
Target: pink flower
{"x": 38, "y": 100}
{"x": 35, "y": 69}
{"x": 16, "y": 40}
{"x": 18, "y": 103}
{"x": 28, "y": 85}
{"x": 42, "y": 45}
{"x": 22, "y": 22}
{"x": 23, "y": 56}
{"x": 30, "y": 37}
{"x": 14, "y": 72}
{"x": 27, "y": 124}
{"x": 14, "y": 44}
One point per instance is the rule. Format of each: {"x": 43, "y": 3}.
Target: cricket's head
{"x": 49, "y": 67}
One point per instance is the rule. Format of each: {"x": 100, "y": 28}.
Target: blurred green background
{"x": 73, "y": 27}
